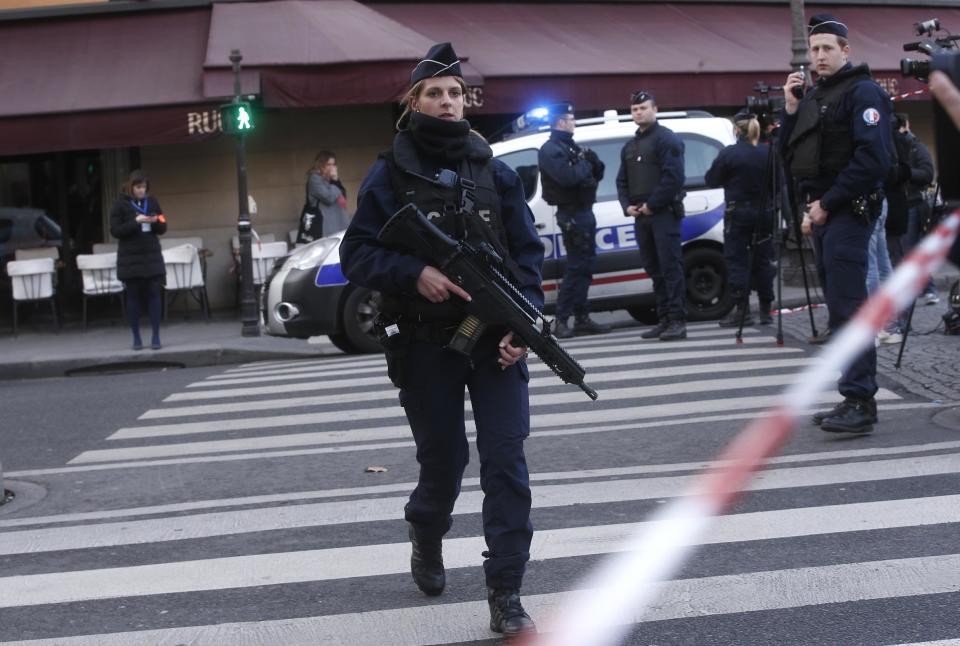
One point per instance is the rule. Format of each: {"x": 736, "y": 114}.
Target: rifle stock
{"x": 496, "y": 300}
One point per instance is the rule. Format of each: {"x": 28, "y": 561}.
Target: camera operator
{"x": 741, "y": 169}
{"x": 921, "y": 174}
{"x": 837, "y": 143}
{"x": 650, "y": 188}
{"x": 570, "y": 175}
{"x": 948, "y": 95}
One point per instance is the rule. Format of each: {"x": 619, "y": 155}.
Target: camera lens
{"x": 919, "y": 70}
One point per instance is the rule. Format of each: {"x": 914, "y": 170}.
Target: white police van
{"x": 308, "y": 295}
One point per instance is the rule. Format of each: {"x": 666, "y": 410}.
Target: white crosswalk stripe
{"x": 326, "y": 551}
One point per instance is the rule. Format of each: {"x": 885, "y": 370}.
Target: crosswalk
{"x": 249, "y": 517}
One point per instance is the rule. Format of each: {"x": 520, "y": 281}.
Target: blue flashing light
{"x": 537, "y": 114}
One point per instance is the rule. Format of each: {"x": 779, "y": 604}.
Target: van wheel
{"x": 359, "y": 311}
{"x": 708, "y": 293}
{"x": 341, "y": 342}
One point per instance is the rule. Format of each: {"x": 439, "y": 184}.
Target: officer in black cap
{"x": 837, "y": 145}
{"x": 741, "y": 169}
{"x": 650, "y": 188}
{"x": 570, "y": 175}
{"x": 437, "y": 163}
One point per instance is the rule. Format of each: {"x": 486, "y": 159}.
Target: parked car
{"x": 308, "y": 295}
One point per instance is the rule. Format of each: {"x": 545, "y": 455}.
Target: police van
{"x": 308, "y": 295}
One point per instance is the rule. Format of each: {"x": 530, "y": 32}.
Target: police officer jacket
{"x": 569, "y": 179}
{"x": 855, "y": 148}
{"x": 368, "y": 263}
{"x": 651, "y": 169}
{"x": 741, "y": 170}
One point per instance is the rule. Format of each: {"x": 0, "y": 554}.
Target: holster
{"x": 394, "y": 335}
{"x": 678, "y": 211}
{"x": 868, "y": 207}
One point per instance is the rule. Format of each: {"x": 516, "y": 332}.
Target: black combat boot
{"x": 584, "y": 325}
{"x": 507, "y": 615}
{"x": 822, "y": 415}
{"x": 426, "y": 563}
{"x": 732, "y": 319}
{"x": 766, "y": 318}
{"x": 857, "y": 417}
{"x": 675, "y": 331}
{"x": 656, "y": 330}
{"x": 561, "y": 330}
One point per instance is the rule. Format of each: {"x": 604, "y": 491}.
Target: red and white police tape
{"x": 618, "y": 593}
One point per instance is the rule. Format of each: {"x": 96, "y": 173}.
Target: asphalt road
{"x": 233, "y": 506}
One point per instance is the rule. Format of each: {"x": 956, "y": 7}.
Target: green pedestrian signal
{"x": 236, "y": 118}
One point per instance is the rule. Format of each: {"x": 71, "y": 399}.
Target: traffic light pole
{"x": 248, "y": 305}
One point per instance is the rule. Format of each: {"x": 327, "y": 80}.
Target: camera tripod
{"x": 768, "y": 228}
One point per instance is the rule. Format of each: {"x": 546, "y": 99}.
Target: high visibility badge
{"x": 871, "y": 116}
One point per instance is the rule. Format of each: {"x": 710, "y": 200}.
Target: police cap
{"x": 441, "y": 60}
{"x": 558, "y": 109}
{"x": 641, "y": 96}
{"x": 825, "y": 23}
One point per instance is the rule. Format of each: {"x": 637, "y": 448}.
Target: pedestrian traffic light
{"x": 236, "y": 118}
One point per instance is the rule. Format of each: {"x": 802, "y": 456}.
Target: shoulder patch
{"x": 871, "y": 116}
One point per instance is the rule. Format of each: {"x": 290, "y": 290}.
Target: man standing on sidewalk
{"x": 650, "y": 188}
{"x": 838, "y": 146}
{"x": 570, "y": 175}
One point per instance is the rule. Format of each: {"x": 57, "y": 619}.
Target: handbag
{"x": 311, "y": 222}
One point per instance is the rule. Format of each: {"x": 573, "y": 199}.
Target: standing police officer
{"x": 570, "y": 175}
{"x": 741, "y": 169}
{"x": 838, "y": 146}
{"x": 439, "y": 164}
{"x": 650, "y": 188}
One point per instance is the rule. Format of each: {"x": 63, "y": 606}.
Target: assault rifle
{"x": 496, "y": 300}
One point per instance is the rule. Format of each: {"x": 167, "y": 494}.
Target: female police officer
{"x": 434, "y": 139}
{"x": 741, "y": 169}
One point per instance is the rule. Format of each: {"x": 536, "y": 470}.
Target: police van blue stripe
{"x": 330, "y": 275}
{"x": 694, "y": 226}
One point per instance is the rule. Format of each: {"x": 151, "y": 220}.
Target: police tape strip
{"x": 618, "y": 593}
{"x": 907, "y": 95}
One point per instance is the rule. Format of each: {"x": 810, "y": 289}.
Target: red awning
{"x": 101, "y": 81}
{"x": 319, "y": 53}
{"x": 689, "y": 55}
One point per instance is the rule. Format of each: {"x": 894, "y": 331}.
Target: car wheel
{"x": 342, "y": 343}
{"x": 359, "y": 310}
{"x": 708, "y": 294}
{"x": 644, "y": 314}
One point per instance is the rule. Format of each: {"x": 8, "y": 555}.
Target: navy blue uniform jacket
{"x": 872, "y": 147}
{"x": 670, "y": 152}
{"x": 366, "y": 262}
{"x": 741, "y": 170}
{"x": 554, "y": 160}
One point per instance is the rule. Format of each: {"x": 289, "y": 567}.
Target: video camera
{"x": 944, "y": 56}
{"x": 767, "y": 108}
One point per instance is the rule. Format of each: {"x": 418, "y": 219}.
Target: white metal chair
{"x": 292, "y": 236}
{"x": 37, "y": 252}
{"x": 170, "y": 243}
{"x": 184, "y": 274}
{"x": 104, "y": 247}
{"x": 99, "y": 272}
{"x": 32, "y": 281}
{"x": 264, "y": 255}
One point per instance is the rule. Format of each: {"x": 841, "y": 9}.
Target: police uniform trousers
{"x": 579, "y": 230}
{"x": 749, "y": 265}
{"x": 658, "y": 239}
{"x": 841, "y": 245}
{"x": 432, "y": 398}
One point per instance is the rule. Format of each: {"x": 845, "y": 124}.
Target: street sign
{"x": 236, "y": 118}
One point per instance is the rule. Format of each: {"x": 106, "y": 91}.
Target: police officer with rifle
{"x": 447, "y": 172}
{"x": 837, "y": 145}
{"x": 570, "y": 175}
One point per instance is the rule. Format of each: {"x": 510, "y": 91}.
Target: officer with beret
{"x": 650, "y": 188}
{"x": 570, "y": 175}
{"x": 422, "y": 309}
{"x": 741, "y": 169}
{"x": 838, "y": 147}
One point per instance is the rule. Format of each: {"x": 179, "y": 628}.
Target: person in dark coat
{"x": 439, "y": 164}
{"x": 741, "y": 169}
{"x": 136, "y": 220}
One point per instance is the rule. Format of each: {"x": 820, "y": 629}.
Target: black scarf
{"x": 439, "y": 138}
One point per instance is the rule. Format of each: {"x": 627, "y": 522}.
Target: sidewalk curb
{"x": 198, "y": 358}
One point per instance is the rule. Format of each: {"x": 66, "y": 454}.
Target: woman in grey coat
{"x": 325, "y": 211}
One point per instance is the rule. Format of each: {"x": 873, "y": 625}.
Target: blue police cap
{"x": 557, "y": 109}
{"x": 641, "y": 96}
{"x": 825, "y": 23}
{"x": 441, "y": 60}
